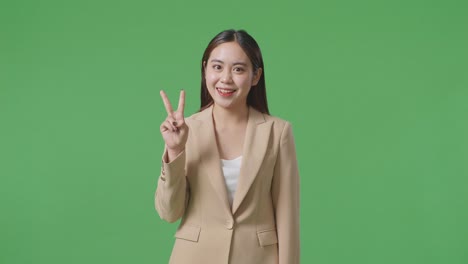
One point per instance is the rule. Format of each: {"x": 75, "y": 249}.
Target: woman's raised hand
{"x": 174, "y": 130}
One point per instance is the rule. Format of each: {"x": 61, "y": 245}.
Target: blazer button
{"x": 229, "y": 224}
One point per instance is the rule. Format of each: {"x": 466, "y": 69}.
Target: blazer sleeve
{"x": 172, "y": 193}
{"x": 285, "y": 196}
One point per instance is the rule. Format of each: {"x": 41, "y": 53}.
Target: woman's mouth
{"x": 225, "y": 92}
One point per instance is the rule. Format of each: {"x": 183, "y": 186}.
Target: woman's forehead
{"x": 229, "y": 52}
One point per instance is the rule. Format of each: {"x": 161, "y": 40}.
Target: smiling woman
{"x": 238, "y": 51}
{"x": 230, "y": 74}
{"x": 230, "y": 170}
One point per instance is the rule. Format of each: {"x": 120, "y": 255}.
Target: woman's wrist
{"x": 172, "y": 154}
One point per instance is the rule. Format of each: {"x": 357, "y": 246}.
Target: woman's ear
{"x": 204, "y": 64}
{"x": 257, "y": 75}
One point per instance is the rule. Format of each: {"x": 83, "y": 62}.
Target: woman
{"x": 230, "y": 170}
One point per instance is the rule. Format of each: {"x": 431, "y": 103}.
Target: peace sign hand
{"x": 174, "y": 130}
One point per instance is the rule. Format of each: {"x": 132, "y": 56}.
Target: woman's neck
{"x": 224, "y": 117}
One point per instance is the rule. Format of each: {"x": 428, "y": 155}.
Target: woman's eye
{"x": 237, "y": 69}
{"x": 217, "y": 67}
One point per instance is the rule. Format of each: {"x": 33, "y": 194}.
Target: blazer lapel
{"x": 256, "y": 139}
{"x": 209, "y": 155}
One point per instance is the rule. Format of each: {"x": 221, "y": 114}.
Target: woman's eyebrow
{"x": 235, "y": 63}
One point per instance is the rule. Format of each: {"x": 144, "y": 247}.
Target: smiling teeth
{"x": 225, "y": 90}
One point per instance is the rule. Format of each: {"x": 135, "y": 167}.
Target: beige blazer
{"x": 262, "y": 227}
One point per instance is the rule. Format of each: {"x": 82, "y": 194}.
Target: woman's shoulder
{"x": 258, "y": 117}
{"x": 201, "y": 115}
{"x": 279, "y": 124}
{"x": 276, "y": 119}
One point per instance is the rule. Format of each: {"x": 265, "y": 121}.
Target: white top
{"x": 231, "y": 171}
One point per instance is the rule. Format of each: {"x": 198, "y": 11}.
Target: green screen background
{"x": 376, "y": 91}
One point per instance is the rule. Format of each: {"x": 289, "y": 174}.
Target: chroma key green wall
{"x": 376, "y": 91}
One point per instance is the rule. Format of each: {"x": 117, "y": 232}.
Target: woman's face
{"x": 229, "y": 75}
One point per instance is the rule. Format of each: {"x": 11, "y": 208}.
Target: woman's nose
{"x": 226, "y": 77}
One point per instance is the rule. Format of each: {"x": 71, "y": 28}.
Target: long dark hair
{"x": 257, "y": 94}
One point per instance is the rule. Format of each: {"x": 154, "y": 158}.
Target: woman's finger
{"x": 170, "y": 124}
{"x": 172, "y": 121}
{"x": 164, "y": 127}
{"x": 179, "y": 123}
{"x": 166, "y": 102}
{"x": 180, "y": 108}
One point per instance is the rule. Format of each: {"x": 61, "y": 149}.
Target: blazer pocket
{"x": 267, "y": 237}
{"x": 188, "y": 232}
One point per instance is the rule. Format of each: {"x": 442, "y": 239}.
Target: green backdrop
{"x": 376, "y": 91}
